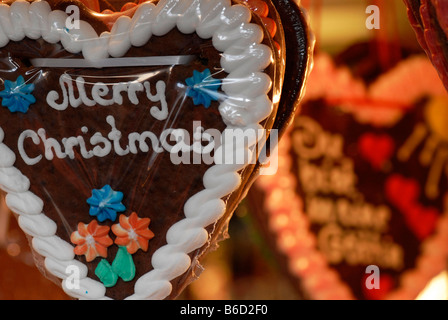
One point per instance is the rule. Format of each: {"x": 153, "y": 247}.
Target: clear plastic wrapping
{"x": 111, "y": 134}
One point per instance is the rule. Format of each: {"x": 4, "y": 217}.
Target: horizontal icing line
{"x": 113, "y": 62}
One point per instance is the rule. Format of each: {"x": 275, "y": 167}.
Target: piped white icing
{"x": 243, "y": 58}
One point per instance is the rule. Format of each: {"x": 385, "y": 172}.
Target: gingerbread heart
{"x": 118, "y": 134}
{"x": 340, "y": 205}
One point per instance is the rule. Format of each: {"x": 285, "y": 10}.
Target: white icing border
{"x": 244, "y": 58}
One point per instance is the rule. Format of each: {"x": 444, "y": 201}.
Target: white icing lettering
{"x": 141, "y": 138}
{"x": 100, "y": 91}
{"x": 49, "y": 144}
{"x": 239, "y": 41}
{"x": 69, "y": 144}
{"x": 115, "y": 136}
{"x": 82, "y": 93}
{"x": 35, "y": 138}
{"x": 359, "y": 247}
{"x": 351, "y": 230}
{"x": 97, "y": 139}
{"x": 159, "y": 114}
{"x": 134, "y": 87}
{"x": 69, "y": 97}
{"x": 118, "y": 89}
{"x": 82, "y": 145}
{"x": 311, "y": 142}
{"x": 102, "y": 146}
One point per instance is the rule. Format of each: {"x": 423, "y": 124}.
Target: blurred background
{"x": 244, "y": 266}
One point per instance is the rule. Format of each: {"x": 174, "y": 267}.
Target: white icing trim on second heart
{"x": 243, "y": 57}
{"x": 289, "y": 224}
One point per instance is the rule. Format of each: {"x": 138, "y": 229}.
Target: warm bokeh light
{"x": 437, "y": 289}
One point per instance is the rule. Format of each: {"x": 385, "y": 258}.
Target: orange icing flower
{"x": 132, "y": 232}
{"x": 92, "y": 240}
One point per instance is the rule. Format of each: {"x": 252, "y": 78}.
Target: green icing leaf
{"x": 123, "y": 264}
{"x": 105, "y": 273}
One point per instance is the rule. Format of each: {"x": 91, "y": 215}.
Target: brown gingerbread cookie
{"x": 120, "y": 135}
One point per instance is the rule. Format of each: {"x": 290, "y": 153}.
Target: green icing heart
{"x": 105, "y": 273}
{"x": 123, "y": 264}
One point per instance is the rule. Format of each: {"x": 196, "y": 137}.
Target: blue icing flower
{"x": 17, "y": 95}
{"x": 105, "y": 203}
{"x": 203, "y": 88}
